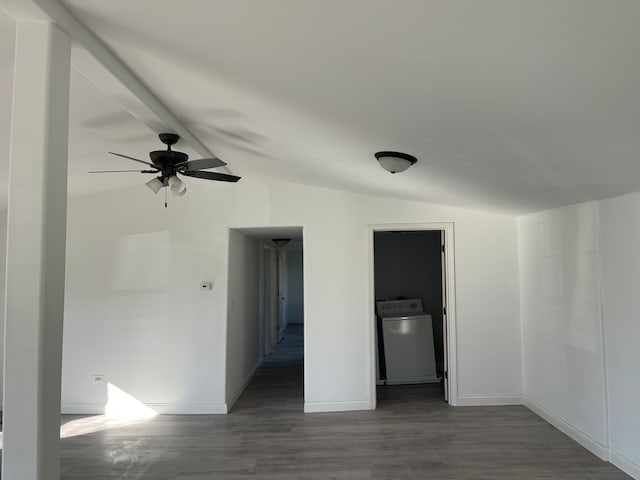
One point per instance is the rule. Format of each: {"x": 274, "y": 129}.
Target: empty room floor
{"x": 412, "y": 435}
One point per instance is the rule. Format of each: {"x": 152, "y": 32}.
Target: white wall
{"x": 135, "y": 314}
{"x": 580, "y": 271}
{"x": 243, "y": 322}
{"x": 561, "y": 321}
{"x": 7, "y": 54}
{"x": 3, "y": 264}
{"x": 620, "y": 242}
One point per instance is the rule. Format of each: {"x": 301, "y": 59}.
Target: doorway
{"x": 283, "y": 299}
{"x": 265, "y": 313}
{"x": 413, "y": 312}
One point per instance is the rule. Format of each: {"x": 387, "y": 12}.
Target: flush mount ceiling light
{"x": 281, "y": 242}
{"x": 394, "y": 162}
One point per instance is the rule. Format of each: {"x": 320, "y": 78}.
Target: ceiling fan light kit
{"x": 395, "y": 162}
{"x": 177, "y": 186}
{"x": 155, "y": 184}
{"x": 171, "y": 163}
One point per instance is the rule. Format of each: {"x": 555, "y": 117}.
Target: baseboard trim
{"x": 82, "y": 408}
{"x": 317, "y": 407}
{"x": 160, "y": 408}
{"x": 189, "y": 408}
{"x": 245, "y": 384}
{"x": 488, "y": 400}
{"x": 413, "y": 380}
{"x": 623, "y": 463}
{"x": 582, "y": 438}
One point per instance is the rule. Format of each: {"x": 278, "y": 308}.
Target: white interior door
{"x": 445, "y": 336}
{"x": 282, "y": 293}
{"x": 273, "y": 296}
{"x": 270, "y": 298}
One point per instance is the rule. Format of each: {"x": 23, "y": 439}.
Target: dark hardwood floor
{"x": 412, "y": 435}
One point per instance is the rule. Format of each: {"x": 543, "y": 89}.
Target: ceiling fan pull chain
{"x": 165, "y": 197}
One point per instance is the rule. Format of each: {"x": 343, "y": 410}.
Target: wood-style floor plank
{"x": 412, "y": 435}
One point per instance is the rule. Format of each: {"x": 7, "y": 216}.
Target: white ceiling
{"x": 509, "y": 105}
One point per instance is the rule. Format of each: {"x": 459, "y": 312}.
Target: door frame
{"x": 449, "y": 288}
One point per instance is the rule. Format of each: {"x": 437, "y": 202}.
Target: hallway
{"x": 279, "y": 382}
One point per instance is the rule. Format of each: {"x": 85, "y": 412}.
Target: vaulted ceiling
{"x": 509, "y": 105}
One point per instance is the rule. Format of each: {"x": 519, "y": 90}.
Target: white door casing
{"x": 443, "y": 256}
{"x": 449, "y": 328}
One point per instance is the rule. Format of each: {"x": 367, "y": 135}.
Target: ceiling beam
{"x": 117, "y": 71}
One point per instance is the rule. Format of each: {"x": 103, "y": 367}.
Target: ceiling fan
{"x": 169, "y": 163}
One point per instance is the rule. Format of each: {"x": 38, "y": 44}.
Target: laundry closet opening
{"x": 410, "y": 325}
{"x": 265, "y": 315}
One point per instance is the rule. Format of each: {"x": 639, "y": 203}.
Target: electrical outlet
{"x": 98, "y": 378}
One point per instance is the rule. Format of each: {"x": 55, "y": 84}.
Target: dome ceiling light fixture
{"x": 394, "y": 162}
{"x": 281, "y": 242}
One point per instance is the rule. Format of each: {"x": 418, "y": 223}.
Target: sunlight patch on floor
{"x": 121, "y": 410}
{"x": 121, "y": 405}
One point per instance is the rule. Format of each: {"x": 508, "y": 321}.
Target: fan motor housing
{"x": 164, "y": 158}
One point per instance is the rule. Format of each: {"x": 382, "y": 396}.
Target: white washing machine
{"x": 408, "y": 342}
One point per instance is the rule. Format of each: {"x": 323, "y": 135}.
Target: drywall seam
{"x": 521, "y": 308}
{"x": 603, "y": 330}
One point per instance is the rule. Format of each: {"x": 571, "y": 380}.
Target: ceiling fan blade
{"x": 134, "y": 159}
{"x": 122, "y": 171}
{"x": 202, "y": 163}
{"x": 221, "y": 177}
